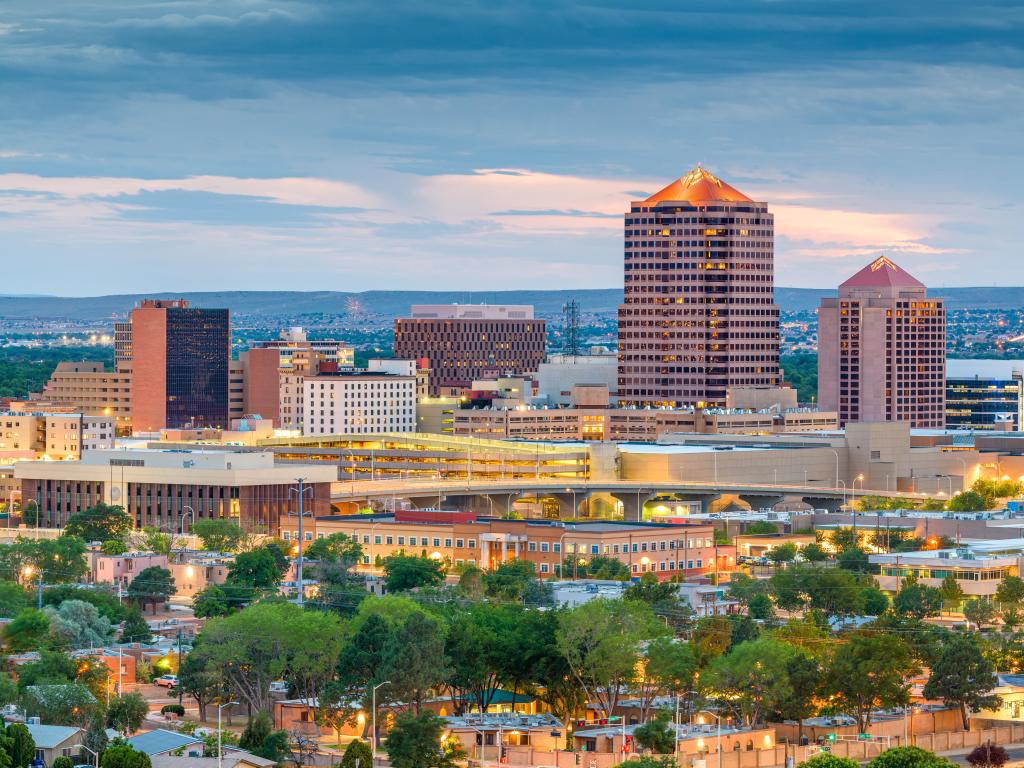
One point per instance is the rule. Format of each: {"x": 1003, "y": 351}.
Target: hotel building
{"x": 465, "y": 342}
{"x": 882, "y": 349}
{"x": 88, "y": 388}
{"x": 354, "y": 403}
{"x": 983, "y": 403}
{"x": 699, "y": 314}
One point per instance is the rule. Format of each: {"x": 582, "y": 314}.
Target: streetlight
{"x": 373, "y": 696}
{"x": 837, "y": 466}
{"x": 853, "y": 499}
{"x": 718, "y": 719}
{"x": 220, "y": 741}
{"x": 191, "y": 512}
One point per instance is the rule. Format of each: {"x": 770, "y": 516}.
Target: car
{"x": 168, "y": 681}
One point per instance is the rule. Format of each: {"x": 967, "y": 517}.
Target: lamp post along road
{"x": 373, "y": 697}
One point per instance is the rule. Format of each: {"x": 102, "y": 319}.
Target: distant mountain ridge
{"x": 601, "y": 301}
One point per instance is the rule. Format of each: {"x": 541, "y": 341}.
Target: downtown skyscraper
{"x": 699, "y": 313}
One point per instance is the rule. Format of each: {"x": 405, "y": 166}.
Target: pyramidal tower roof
{"x": 699, "y": 186}
{"x": 882, "y": 273}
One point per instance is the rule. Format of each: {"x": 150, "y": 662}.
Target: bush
{"x": 62, "y": 762}
{"x": 825, "y": 760}
{"x": 909, "y": 757}
{"x": 357, "y": 750}
{"x": 988, "y": 756}
{"x": 172, "y": 709}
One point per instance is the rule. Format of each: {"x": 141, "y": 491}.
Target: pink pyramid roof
{"x": 699, "y": 186}
{"x": 882, "y": 273}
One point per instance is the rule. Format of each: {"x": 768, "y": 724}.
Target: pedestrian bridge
{"x": 496, "y": 497}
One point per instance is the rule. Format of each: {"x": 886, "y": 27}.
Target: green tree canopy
{"x": 152, "y": 585}
{"x": 79, "y": 624}
{"x": 415, "y": 742}
{"x": 917, "y": 600}
{"x": 102, "y": 522}
{"x": 909, "y": 757}
{"x": 963, "y": 677}
{"x": 123, "y": 756}
{"x": 826, "y": 760}
{"x": 335, "y": 548}
{"x": 405, "y": 572}
{"x": 868, "y": 671}
{"x": 218, "y": 534}
{"x": 135, "y": 629}
{"x": 656, "y": 734}
{"x": 127, "y": 712}
{"x": 753, "y": 677}
{"x": 968, "y": 501}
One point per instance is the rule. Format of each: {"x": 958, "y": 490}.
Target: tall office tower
{"x": 122, "y": 343}
{"x": 699, "y": 314}
{"x": 180, "y": 363}
{"x": 882, "y": 349}
{"x": 474, "y": 341}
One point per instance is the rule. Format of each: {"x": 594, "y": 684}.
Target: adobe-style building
{"x": 882, "y": 349}
{"x": 699, "y": 313}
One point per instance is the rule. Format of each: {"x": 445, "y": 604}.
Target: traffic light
{"x": 831, "y": 737}
{"x": 504, "y": 754}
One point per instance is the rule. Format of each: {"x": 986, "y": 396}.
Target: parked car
{"x": 168, "y": 681}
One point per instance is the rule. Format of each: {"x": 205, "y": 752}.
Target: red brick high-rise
{"x": 882, "y": 349}
{"x": 699, "y": 314}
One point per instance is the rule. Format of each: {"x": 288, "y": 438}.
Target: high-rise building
{"x": 985, "y": 403}
{"x": 882, "y": 349}
{"x": 363, "y": 402}
{"x": 699, "y": 313}
{"x": 465, "y": 342}
{"x": 180, "y": 366}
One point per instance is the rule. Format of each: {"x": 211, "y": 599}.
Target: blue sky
{"x": 260, "y": 144}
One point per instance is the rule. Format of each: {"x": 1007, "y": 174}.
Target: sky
{"x": 487, "y": 145}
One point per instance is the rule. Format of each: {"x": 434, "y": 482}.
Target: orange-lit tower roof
{"x": 699, "y": 186}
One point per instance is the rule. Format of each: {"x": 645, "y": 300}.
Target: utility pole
{"x": 300, "y": 491}
{"x": 39, "y": 591}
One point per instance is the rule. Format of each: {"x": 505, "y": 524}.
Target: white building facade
{"x": 358, "y": 403}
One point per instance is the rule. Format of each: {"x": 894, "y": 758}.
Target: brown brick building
{"x": 465, "y": 342}
{"x": 699, "y": 314}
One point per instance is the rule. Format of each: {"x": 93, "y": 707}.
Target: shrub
{"x": 825, "y": 760}
{"x": 172, "y": 709}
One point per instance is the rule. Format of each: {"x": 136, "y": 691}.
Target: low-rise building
{"x": 488, "y": 737}
{"x": 56, "y": 436}
{"x": 53, "y": 741}
{"x": 979, "y": 567}
{"x": 122, "y": 569}
{"x": 358, "y": 402}
{"x": 195, "y": 571}
{"x": 463, "y": 538}
{"x": 159, "y": 487}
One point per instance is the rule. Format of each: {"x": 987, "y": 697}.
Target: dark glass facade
{"x": 983, "y": 403}
{"x": 198, "y": 356}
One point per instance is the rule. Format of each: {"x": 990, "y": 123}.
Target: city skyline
{"x": 306, "y": 145}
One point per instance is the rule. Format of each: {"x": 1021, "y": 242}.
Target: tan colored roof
{"x": 699, "y": 186}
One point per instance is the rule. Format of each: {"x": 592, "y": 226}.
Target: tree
{"x": 782, "y": 553}
{"x": 28, "y": 631}
{"x": 951, "y": 593}
{"x": 114, "y": 547}
{"x": 335, "y": 548}
{"x": 511, "y": 580}
{"x": 854, "y": 559}
{"x": 804, "y": 676}
{"x": 198, "y": 679}
{"x": 843, "y": 538}
{"x": 1010, "y": 592}
{"x": 95, "y": 737}
{"x": 968, "y": 501}
{"x": 358, "y": 755}
{"x": 21, "y": 747}
{"x": 601, "y": 641}
{"x": 753, "y": 677}
{"x": 979, "y": 612}
{"x": 135, "y": 629}
{"x": 50, "y": 667}
{"x": 760, "y": 607}
{"x": 814, "y": 553}
{"x": 60, "y": 704}
{"x": 127, "y": 712}
{"x": 62, "y": 761}
{"x": 405, "y": 572}
{"x": 868, "y": 672}
{"x": 153, "y": 585}
{"x": 264, "y": 642}
{"x": 597, "y": 567}
{"x": 212, "y": 601}
{"x": 651, "y": 591}
{"x": 106, "y": 602}
{"x": 875, "y": 601}
{"x": 218, "y": 535}
{"x": 13, "y": 599}
{"x": 477, "y": 644}
{"x": 79, "y": 624}
{"x": 471, "y": 582}
{"x": 760, "y": 528}
{"x": 656, "y": 735}
{"x": 667, "y": 666}
{"x": 415, "y": 742}
{"x": 123, "y": 756}
{"x": 988, "y": 755}
{"x": 909, "y": 757}
{"x": 102, "y": 522}
{"x": 826, "y": 760}
{"x": 413, "y": 659}
{"x": 917, "y": 600}
{"x": 259, "y": 569}
{"x": 152, "y": 539}
{"x": 963, "y": 677}
{"x": 647, "y": 761}
{"x": 256, "y": 732}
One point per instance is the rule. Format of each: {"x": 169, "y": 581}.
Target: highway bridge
{"x": 573, "y": 496}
